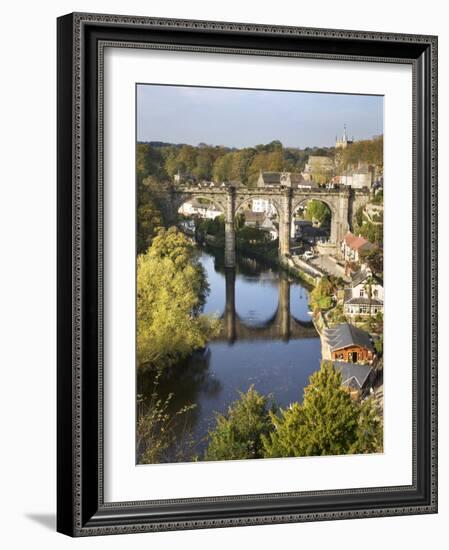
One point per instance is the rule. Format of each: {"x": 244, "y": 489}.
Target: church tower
{"x": 344, "y": 141}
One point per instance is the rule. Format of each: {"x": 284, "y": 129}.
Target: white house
{"x": 356, "y": 178}
{"x": 194, "y": 208}
{"x": 365, "y": 295}
{"x": 263, "y": 205}
{"x": 351, "y": 245}
{"x": 362, "y": 177}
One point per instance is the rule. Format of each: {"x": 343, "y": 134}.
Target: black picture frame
{"x": 81, "y": 509}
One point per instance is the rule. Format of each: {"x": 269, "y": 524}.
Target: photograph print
{"x": 259, "y": 274}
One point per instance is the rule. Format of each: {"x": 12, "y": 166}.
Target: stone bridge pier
{"x": 284, "y": 206}
{"x": 343, "y": 204}
{"x": 285, "y": 222}
{"x": 284, "y": 307}
{"x": 229, "y": 253}
{"x": 229, "y": 314}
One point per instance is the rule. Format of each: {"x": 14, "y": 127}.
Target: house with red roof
{"x": 351, "y": 245}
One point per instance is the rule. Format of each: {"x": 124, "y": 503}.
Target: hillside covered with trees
{"x": 214, "y": 162}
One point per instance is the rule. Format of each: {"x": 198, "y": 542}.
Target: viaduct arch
{"x": 343, "y": 203}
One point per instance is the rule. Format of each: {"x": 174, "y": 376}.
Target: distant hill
{"x": 158, "y": 144}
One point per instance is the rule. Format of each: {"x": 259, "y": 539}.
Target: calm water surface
{"x": 267, "y": 341}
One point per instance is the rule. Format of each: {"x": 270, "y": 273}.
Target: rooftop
{"x": 271, "y": 177}
{"x": 352, "y": 373}
{"x": 346, "y": 335}
{"x": 360, "y": 276}
{"x": 274, "y": 178}
{"x": 354, "y": 242}
{"x": 360, "y": 301}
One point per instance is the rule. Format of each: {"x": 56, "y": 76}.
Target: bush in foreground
{"x": 238, "y": 434}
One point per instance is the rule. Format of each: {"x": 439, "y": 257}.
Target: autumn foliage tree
{"x": 171, "y": 289}
{"x": 369, "y": 151}
{"x": 321, "y": 297}
{"x": 220, "y": 163}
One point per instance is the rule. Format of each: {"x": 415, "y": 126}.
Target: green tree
{"x": 187, "y": 158}
{"x": 215, "y": 227}
{"x": 374, "y": 233}
{"x": 222, "y": 170}
{"x": 288, "y": 438}
{"x": 378, "y": 197}
{"x": 171, "y": 289}
{"x": 204, "y": 164}
{"x": 369, "y": 432}
{"x": 150, "y": 194}
{"x": 238, "y": 434}
{"x": 379, "y": 343}
{"x": 149, "y": 220}
{"x": 271, "y": 161}
{"x": 172, "y": 164}
{"x": 321, "y": 296}
{"x": 318, "y": 211}
{"x": 328, "y": 422}
{"x": 149, "y": 162}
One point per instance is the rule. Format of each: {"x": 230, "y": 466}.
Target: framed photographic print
{"x": 247, "y": 282}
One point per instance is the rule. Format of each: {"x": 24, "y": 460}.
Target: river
{"x": 267, "y": 341}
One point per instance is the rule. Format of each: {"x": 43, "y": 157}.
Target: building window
{"x": 376, "y": 293}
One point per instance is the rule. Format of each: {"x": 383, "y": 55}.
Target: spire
{"x": 344, "y": 133}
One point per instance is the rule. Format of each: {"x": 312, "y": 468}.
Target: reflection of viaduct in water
{"x": 282, "y": 326}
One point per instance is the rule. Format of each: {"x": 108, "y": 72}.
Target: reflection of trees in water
{"x": 186, "y": 381}
{"x": 254, "y": 268}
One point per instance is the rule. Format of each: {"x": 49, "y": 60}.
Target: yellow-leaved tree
{"x": 171, "y": 290}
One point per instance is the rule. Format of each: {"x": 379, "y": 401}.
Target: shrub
{"x": 238, "y": 434}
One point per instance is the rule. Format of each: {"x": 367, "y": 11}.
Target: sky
{"x": 245, "y": 118}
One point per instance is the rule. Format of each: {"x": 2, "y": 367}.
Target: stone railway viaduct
{"x": 343, "y": 203}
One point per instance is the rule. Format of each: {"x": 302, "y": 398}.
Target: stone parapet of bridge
{"x": 342, "y": 202}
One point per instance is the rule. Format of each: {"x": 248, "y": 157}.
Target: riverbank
{"x": 320, "y": 324}
{"x": 301, "y": 270}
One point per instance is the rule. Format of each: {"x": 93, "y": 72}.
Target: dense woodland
{"x": 217, "y": 163}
